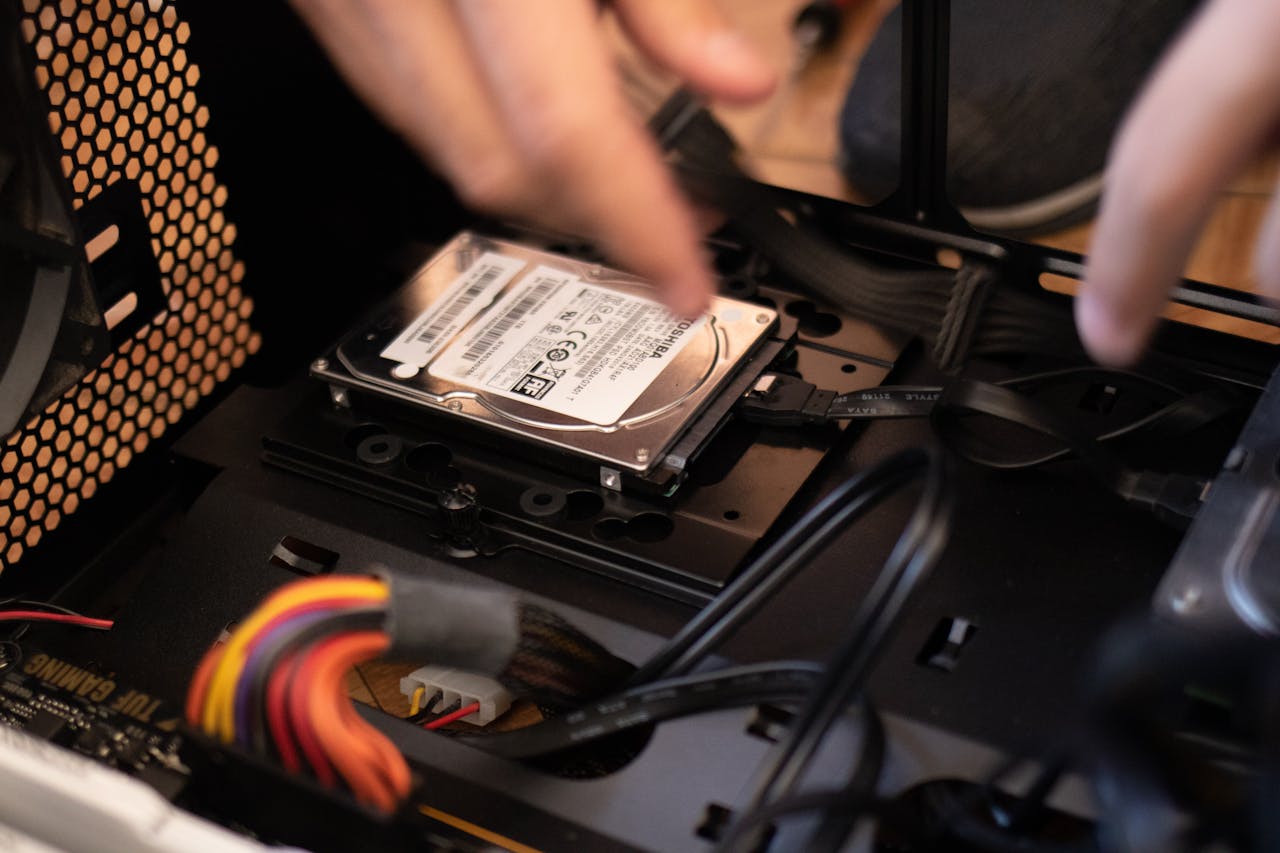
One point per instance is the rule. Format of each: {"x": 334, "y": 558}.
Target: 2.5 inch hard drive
{"x": 564, "y": 355}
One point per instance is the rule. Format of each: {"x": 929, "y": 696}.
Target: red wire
{"x": 42, "y": 616}
{"x": 466, "y": 711}
{"x": 277, "y": 715}
{"x": 299, "y": 700}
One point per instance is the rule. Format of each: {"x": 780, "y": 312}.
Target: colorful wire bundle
{"x": 277, "y": 686}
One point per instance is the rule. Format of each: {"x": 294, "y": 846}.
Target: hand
{"x": 1213, "y": 103}
{"x": 517, "y": 103}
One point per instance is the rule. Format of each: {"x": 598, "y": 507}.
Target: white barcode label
{"x": 466, "y": 297}
{"x": 539, "y": 289}
{"x": 560, "y": 344}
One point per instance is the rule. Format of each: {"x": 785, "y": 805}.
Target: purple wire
{"x": 243, "y": 712}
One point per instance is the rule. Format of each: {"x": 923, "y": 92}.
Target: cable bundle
{"x": 557, "y": 664}
{"x": 276, "y": 686}
{"x": 956, "y": 313}
{"x": 279, "y": 679}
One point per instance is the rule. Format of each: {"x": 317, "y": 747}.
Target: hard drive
{"x": 568, "y": 355}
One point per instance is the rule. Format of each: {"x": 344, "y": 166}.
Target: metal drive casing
{"x": 554, "y": 350}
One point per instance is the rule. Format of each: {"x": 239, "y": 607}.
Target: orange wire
{"x": 370, "y": 764}
{"x": 386, "y": 758}
{"x": 200, "y": 682}
{"x": 356, "y": 760}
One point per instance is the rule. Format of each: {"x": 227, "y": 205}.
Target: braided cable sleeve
{"x": 559, "y": 665}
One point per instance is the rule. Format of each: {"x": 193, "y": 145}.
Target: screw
{"x": 1187, "y": 600}
{"x": 455, "y": 405}
{"x": 339, "y": 397}
{"x": 597, "y": 270}
{"x": 762, "y": 319}
{"x": 642, "y": 454}
{"x": 611, "y": 480}
{"x": 320, "y": 364}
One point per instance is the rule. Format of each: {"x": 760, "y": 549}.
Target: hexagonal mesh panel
{"x": 122, "y": 103}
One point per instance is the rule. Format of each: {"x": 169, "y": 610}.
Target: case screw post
{"x": 460, "y": 508}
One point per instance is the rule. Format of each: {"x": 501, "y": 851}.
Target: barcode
{"x": 603, "y": 350}
{"x": 524, "y": 305}
{"x": 439, "y": 324}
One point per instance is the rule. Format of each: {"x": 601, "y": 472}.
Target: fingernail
{"x": 1108, "y": 338}
{"x": 733, "y": 53}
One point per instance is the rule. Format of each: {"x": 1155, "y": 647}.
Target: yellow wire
{"x": 218, "y": 717}
{"x": 417, "y": 701}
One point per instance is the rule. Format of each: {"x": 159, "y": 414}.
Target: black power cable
{"x": 838, "y": 821}
{"x": 654, "y": 702}
{"x": 840, "y": 808}
{"x": 845, "y": 674}
{"x": 782, "y": 400}
{"x": 1173, "y": 498}
{"x": 781, "y": 562}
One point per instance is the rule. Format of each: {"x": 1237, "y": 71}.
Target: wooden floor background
{"x": 791, "y": 140}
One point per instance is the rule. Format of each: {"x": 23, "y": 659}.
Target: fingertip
{"x": 737, "y": 69}
{"x": 694, "y": 39}
{"x": 1108, "y": 337}
{"x": 1266, "y": 256}
{"x": 688, "y": 295}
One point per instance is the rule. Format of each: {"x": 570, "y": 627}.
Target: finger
{"x": 409, "y": 62}
{"x": 693, "y": 39}
{"x": 1266, "y": 257}
{"x": 554, "y": 83}
{"x": 1192, "y": 129}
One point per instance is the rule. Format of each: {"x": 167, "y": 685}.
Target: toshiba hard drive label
{"x": 558, "y": 343}
{"x": 466, "y": 297}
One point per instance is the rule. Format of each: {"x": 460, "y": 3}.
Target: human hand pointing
{"x": 517, "y": 103}
{"x": 1212, "y": 104}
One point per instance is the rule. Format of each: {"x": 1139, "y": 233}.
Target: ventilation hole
{"x": 429, "y": 457}
{"x": 584, "y": 505}
{"x": 122, "y": 105}
{"x": 609, "y": 529}
{"x": 732, "y": 515}
{"x": 812, "y": 321}
{"x": 800, "y": 308}
{"x": 649, "y": 527}
{"x": 848, "y": 367}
